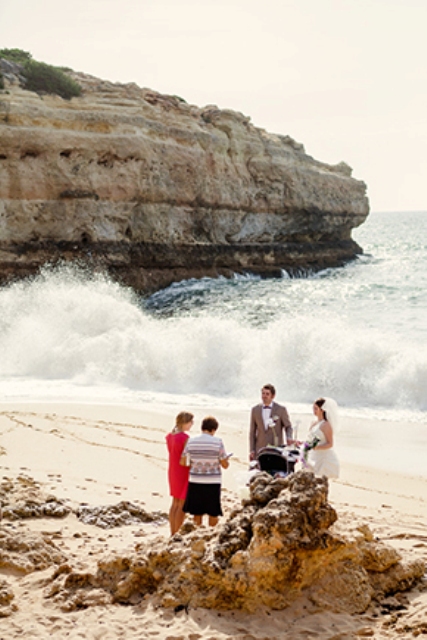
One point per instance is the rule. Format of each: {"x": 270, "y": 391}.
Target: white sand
{"x": 100, "y": 454}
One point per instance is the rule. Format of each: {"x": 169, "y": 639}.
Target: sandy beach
{"x": 99, "y": 455}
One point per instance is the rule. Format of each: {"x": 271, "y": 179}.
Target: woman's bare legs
{"x": 212, "y": 521}
{"x": 176, "y": 515}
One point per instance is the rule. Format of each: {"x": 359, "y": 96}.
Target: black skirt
{"x": 203, "y": 499}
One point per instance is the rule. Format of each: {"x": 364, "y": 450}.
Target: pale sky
{"x": 347, "y": 78}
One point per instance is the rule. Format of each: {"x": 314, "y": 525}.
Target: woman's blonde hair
{"x": 181, "y": 419}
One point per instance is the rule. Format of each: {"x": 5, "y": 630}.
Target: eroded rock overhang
{"x": 153, "y": 190}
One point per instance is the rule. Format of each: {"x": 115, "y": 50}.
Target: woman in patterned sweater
{"x": 206, "y": 456}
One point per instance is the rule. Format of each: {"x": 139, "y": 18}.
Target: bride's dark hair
{"x": 329, "y": 408}
{"x": 320, "y": 402}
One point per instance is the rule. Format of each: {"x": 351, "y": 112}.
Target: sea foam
{"x": 87, "y": 330}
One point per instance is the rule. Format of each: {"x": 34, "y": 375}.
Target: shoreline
{"x": 351, "y": 444}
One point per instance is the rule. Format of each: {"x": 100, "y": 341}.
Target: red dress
{"x": 177, "y": 474}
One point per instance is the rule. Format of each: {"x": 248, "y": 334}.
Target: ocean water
{"x": 357, "y": 333}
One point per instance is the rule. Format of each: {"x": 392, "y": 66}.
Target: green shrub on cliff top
{"x": 16, "y": 55}
{"x": 41, "y": 77}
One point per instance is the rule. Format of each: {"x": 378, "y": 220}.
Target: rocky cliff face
{"x": 153, "y": 189}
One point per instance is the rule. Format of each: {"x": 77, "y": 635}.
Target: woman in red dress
{"x": 178, "y": 474}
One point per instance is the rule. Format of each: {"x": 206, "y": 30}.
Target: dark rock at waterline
{"x": 153, "y": 190}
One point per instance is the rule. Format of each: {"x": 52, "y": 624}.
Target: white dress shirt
{"x": 266, "y": 415}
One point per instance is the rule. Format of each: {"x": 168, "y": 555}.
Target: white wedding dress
{"x": 324, "y": 461}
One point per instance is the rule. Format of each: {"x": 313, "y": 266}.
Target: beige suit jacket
{"x": 260, "y": 437}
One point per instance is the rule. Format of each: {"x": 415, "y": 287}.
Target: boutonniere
{"x": 272, "y": 424}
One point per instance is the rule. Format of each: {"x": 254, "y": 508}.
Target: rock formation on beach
{"x": 23, "y": 498}
{"x": 278, "y": 547}
{"x": 283, "y": 549}
{"x": 154, "y": 190}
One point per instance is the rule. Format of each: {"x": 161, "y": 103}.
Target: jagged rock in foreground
{"x": 279, "y": 546}
{"x": 117, "y": 515}
{"x": 24, "y": 552}
{"x": 7, "y": 606}
{"x": 155, "y": 190}
{"x": 22, "y": 497}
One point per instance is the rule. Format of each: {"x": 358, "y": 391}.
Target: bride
{"x": 323, "y": 458}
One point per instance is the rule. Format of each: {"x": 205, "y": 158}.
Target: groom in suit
{"x": 268, "y": 422}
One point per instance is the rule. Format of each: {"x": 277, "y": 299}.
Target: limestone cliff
{"x": 153, "y": 189}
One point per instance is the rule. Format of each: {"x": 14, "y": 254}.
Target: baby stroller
{"x": 277, "y": 460}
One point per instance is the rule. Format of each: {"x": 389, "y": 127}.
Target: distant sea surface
{"x": 357, "y": 333}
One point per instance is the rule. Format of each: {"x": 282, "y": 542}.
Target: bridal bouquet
{"x": 305, "y": 448}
